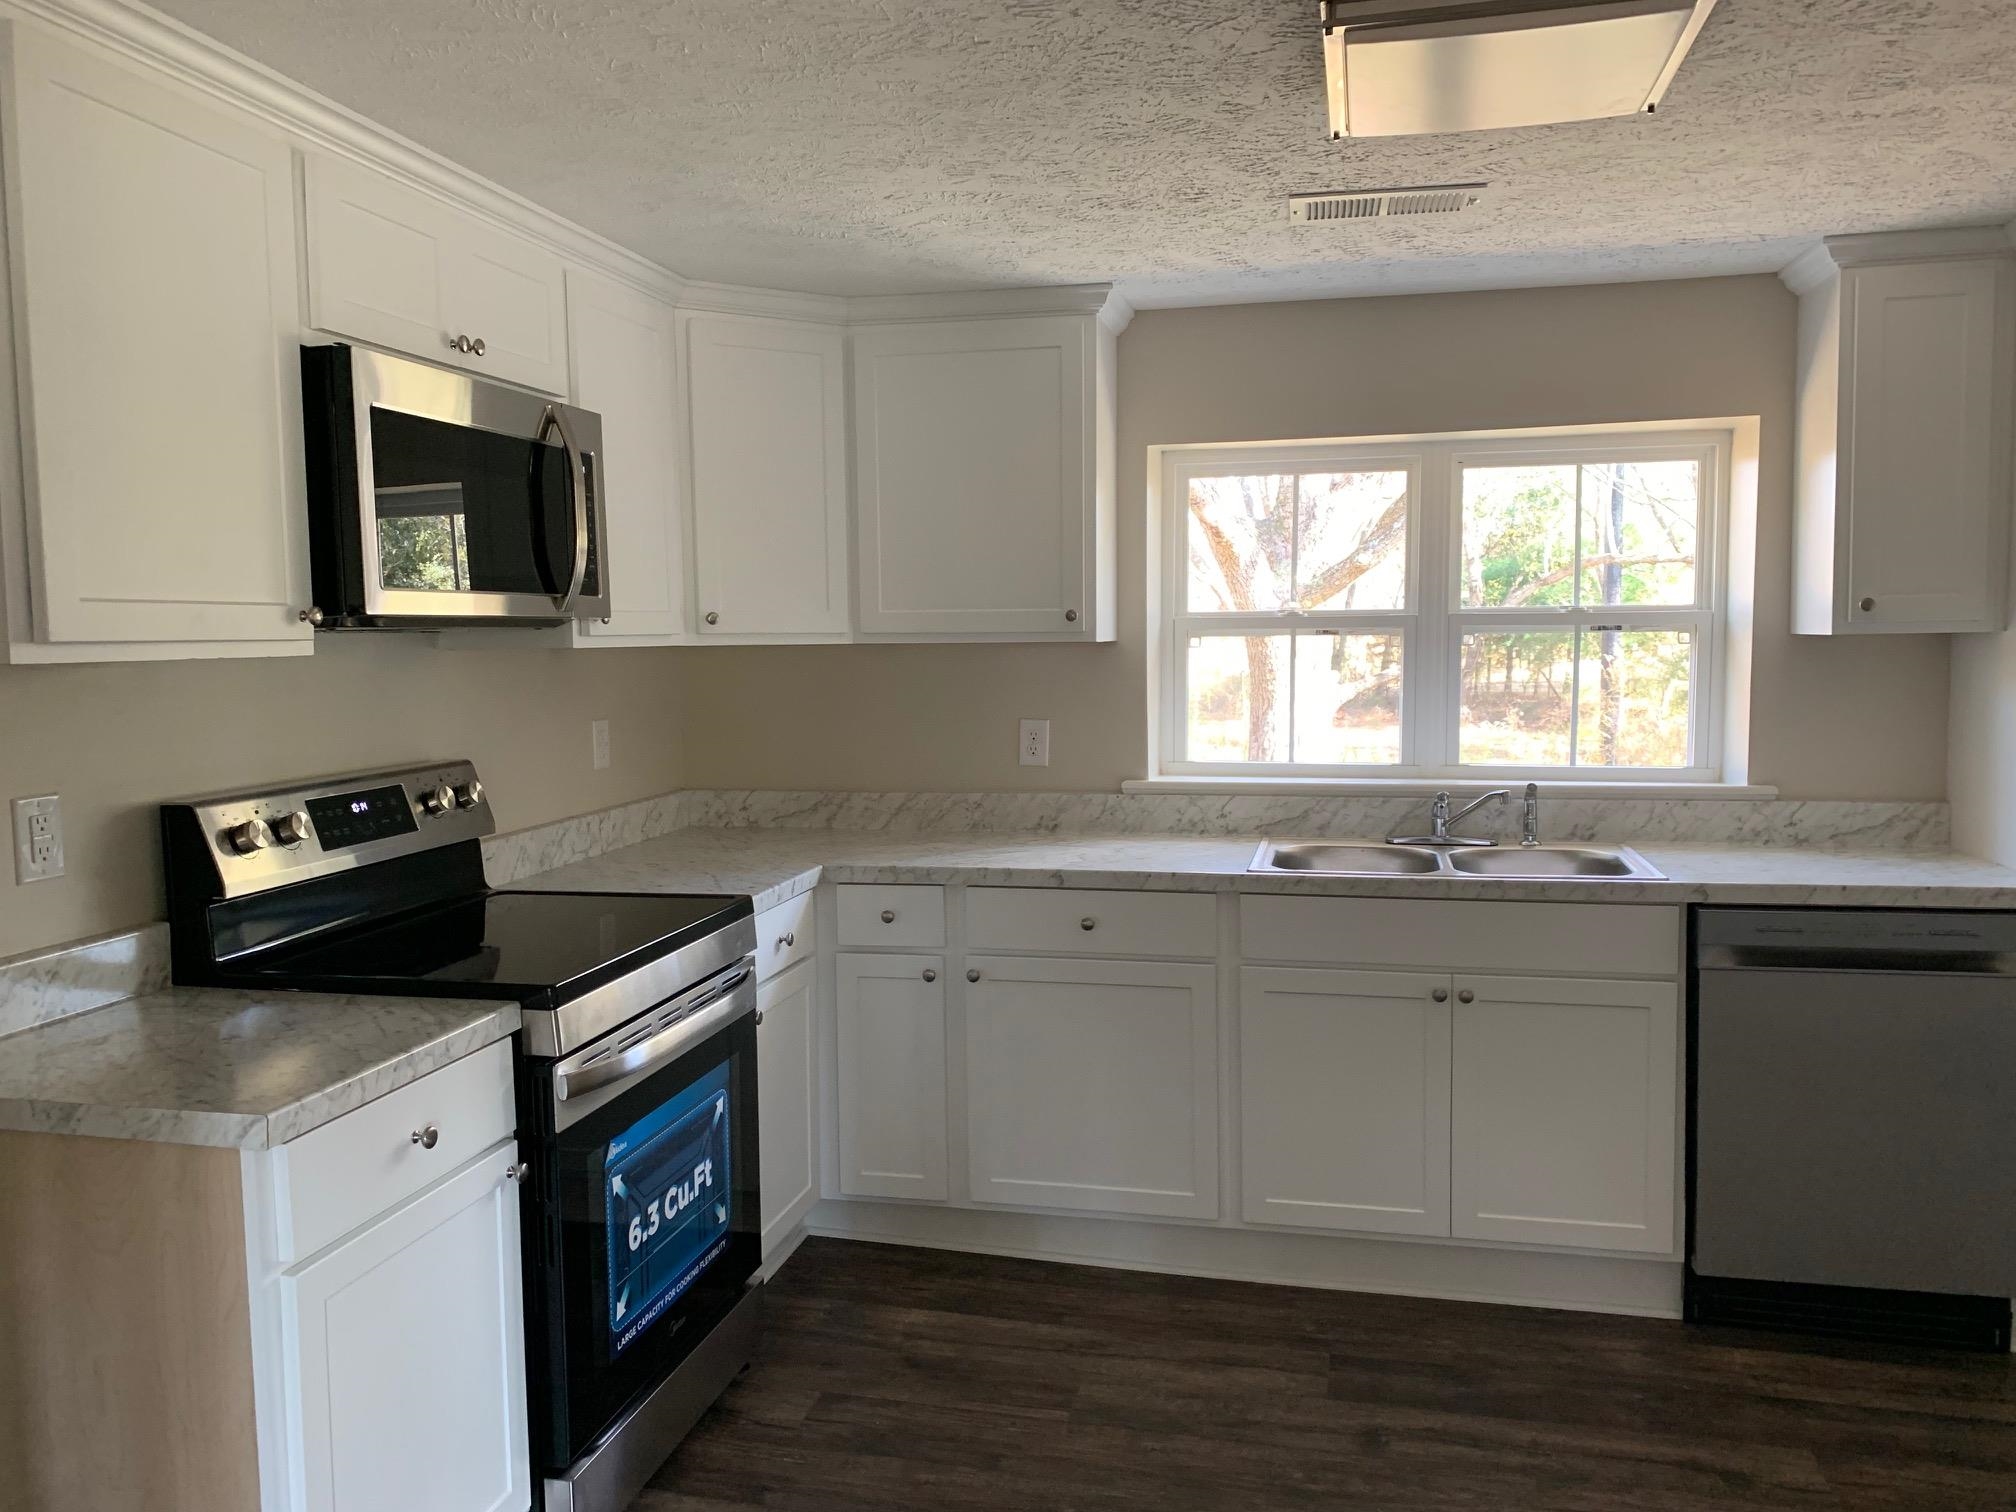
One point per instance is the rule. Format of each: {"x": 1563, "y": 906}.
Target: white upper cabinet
{"x": 767, "y": 452}
{"x": 152, "y": 249}
{"x": 398, "y": 268}
{"x": 983, "y": 469}
{"x": 624, "y": 364}
{"x": 1906, "y": 348}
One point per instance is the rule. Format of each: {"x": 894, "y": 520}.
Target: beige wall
{"x": 1982, "y": 775}
{"x": 115, "y": 740}
{"x": 1832, "y": 718}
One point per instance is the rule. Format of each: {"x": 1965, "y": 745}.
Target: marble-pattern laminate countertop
{"x": 773, "y": 865}
{"x": 244, "y": 1070}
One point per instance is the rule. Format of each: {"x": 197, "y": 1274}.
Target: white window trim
{"x": 1433, "y": 622}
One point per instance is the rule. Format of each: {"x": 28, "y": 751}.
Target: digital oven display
{"x": 348, "y": 819}
{"x": 669, "y": 1198}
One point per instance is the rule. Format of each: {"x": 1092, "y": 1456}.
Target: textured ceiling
{"x": 896, "y": 146}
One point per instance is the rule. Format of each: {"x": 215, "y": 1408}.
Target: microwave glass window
{"x": 669, "y": 1198}
{"x": 461, "y": 510}
{"x": 423, "y": 538}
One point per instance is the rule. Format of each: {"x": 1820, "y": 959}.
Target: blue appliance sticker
{"x": 669, "y": 1199}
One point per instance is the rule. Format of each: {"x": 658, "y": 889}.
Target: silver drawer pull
{"x": 787, "y": 942}
{"x": 1088, "y": 923}
{"x": 519, "y": 1171}
{"x": 888, "y": 916}
{"x": 427, "y": 1138}
{"x": 1466, "y": 996}
{"x": 930, "y": 975}
{"x": 973, "y": 975}
{"x": 1440, "y": 994}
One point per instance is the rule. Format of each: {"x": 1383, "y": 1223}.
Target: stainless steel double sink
{"x": 1376, "y": 858}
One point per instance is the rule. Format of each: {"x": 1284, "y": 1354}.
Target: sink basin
{"x": 1374, "y": 858}
{"x": 1361, "y": 858}
{"x": 1583, "y": 861}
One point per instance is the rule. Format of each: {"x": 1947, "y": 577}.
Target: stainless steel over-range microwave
{"x": 437, "y": 499}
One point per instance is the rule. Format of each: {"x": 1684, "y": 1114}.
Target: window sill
{"x": 1422, "y": 787}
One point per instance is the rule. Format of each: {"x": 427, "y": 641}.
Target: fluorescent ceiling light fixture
{"x": 1412, "y": 67}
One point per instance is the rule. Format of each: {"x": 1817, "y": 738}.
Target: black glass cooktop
{"x": 541, "y": 948}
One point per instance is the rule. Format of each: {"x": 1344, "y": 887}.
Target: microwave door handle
{"x": 577, "y": 477}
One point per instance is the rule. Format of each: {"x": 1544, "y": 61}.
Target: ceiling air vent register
{"x": 1378, "y": 204}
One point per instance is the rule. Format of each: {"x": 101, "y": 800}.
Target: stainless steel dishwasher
{"x": 1852, "y": 1086}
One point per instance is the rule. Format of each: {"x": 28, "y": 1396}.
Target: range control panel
{"x": 280, "y": 836}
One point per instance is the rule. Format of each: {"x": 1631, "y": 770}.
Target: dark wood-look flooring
{"x": 896, "y": 1379}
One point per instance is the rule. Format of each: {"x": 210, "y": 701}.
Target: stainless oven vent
{"x": 1379, "y": 204}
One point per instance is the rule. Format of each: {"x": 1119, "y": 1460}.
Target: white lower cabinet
{"x": 891, "y": 1076}
{"x": 786, "y": 1067}
{"x": 1093, "y": 1085}
{"x": 1564, "y": 1112}
{"x": 1344, "y": 1099}
{"x": 406, "y": 1342}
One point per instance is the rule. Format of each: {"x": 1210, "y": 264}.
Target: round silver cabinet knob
{"x": 888, "y": 916}
{"x": 291, "y": 829}
{"x": 973, "y": 975}
{"x": 1088, "y": 923}
{"x": 930, "y": 975}
{"x": 252, "y": 835}
{"x": 713, "y": 618}
{"x": 1071, "y": 616}
{"x": 312, "y": 616}
{"x": 1466, "y": 996}
{"x": 476, "y": 347}
{"x": 786, "y": 942}
{"x": 469, "y": 794}
{"x": 427, "y": 1137}
{"x": 460, "y": 344}
{"x": 1866, "y": 605}
{"x": 1440, "y": 994}
{"x": 519, "y": 1171}
{"x": 437, "y": 800}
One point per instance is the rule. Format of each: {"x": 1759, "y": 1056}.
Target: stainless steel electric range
{"x": 636, "y": 1077}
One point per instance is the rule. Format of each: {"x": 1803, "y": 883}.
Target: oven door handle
{"x": 724, "y": 1002}
{"x": 577, "y": 478}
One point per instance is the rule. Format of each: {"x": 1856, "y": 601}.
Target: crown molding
{"x": 142, "y": 35}
{"x": 1812, "y": 268}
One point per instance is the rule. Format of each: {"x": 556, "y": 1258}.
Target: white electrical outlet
{"x": 598, "y": 737}
{"x": 1033, "y": 746}
{"x": 38, "y": 838}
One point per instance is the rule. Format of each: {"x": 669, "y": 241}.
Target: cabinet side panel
{"x": 126, "y": 1358}
{"x": 1813, "y": 565}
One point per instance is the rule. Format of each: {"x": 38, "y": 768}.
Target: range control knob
{"x": 437, "y": 800}
{"x": 291, "y": 829}
{"x": 469, "y": 794}
{"x": 253, "y": 835}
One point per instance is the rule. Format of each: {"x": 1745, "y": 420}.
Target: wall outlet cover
{"x": 38, "y": 838}
{"x": 1033, "y": 744}
{"x": 598, "y": 739}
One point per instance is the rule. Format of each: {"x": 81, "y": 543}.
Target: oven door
{"x": 656, "y": 1226}
{"x": 457, "y": 499}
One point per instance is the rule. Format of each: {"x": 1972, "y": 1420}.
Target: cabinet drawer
{"x": 336, "y": 1177}
{"x": 1593, "y": 939}
{"x": 1092, "y": 923}
{"x": 784, "y": 936}
{"x": 894, "y": 915}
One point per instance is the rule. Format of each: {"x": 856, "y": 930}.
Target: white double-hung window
{"x": 1543, "y": 605}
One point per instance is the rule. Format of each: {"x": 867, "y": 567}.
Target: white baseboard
{"x": 1336, "y": 1262}
{"x": 786, "y": 1248}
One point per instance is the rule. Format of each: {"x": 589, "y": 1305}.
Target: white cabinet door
{"x": 786, "y": 1078}
{"x": 407, "y": 1343}
{"x": 1093, "y": 1084}
{"x": 1924, "y": 445}
{"x": 1564, "y": 1102}
{"x": 1344, "y": 1099}
{"x": 400, "y": 269}
{"x": 976, "y": 476}
{"x": 767, "y": 452}
{"x": 891, "y": 1046}
{"x": 153, "y": 249}
{"x": 624, "y": 363}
